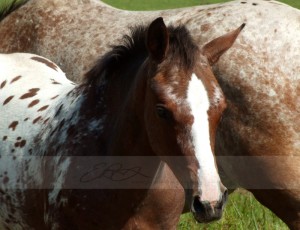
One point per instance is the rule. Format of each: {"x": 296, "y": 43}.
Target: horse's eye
{"x": 163, "y": 112}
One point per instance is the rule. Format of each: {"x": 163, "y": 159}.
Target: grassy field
{"x": 242, "y": 212}
{"x": 169, "y": 4}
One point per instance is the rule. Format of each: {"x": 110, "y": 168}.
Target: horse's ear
{"x": 215, "y": 48}
{"x": 157, "y": 40}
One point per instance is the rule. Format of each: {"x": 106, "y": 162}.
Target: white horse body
{"x": 36, "y": 98}
{"x": 28, "y": 108}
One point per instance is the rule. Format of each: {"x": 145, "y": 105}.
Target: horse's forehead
{"x": 172, "y": 86}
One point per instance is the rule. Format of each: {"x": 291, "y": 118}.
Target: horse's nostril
{"x": 223, "y": 200}
{"x": 205, "y": 211}
{"x": 197, "y": 205}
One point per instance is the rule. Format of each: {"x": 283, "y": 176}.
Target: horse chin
{"x": 203, "y": 217}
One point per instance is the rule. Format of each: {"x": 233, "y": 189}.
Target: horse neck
{"x": 64, "y": 118}
{"x": 126, "y": 129}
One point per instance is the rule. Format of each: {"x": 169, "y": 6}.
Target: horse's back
{"x": 20, "y": 69}
{"x": 27, "y": 84}
{"x": 260, "y": 73}
{"x": 260, "y": 76}
{"x": 68, "y": 41}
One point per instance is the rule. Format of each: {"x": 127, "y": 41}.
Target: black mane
{"x": 133, "y": 48}
{"x": 182, "y": 46}
{"x": 133, "y": 45}
{"x": 7, "y": 7}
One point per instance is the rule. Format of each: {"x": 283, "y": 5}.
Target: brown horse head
{"x": 170, "y": 107}
{"x": 184, "y": 104}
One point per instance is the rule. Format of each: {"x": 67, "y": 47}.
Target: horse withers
{"x": 152, "y": 96}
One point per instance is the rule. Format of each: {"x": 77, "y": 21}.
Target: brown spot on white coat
{"x": 33, "y": 103}
{"x": 8, "y": 100}
{"x": 32, "y": 92}
{"x": 13, "y": 125}
{"x": 36, "y": 120}
{"x": 46, "y": 62}
{"x": 3, "y": 84}
{"x": 15, "y": 79}
{"x": 43, "y": 108}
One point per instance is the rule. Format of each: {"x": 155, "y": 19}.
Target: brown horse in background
{"x": 259, "y": 77}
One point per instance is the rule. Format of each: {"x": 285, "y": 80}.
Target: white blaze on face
{"x": 209, "y": 180}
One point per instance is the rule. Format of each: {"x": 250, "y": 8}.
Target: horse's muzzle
{"x": 205, "y": 211}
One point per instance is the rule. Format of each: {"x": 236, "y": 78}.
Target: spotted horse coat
{"x": 34, "y": 111}
{"x": 36, "y": 99}
{"x": 259, "y": 77}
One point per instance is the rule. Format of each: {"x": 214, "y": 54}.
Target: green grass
{"x": 6, "y": 6}
{"x": 157, "y": 4}
{"x": 170, "y": 4}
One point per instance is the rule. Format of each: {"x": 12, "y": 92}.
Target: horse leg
{"x": 283, "y": 203}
